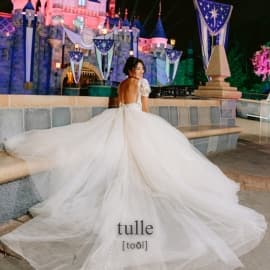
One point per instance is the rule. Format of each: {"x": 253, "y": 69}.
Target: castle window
{"x": 82, "y": 3}
{"x": 4, "y": 54}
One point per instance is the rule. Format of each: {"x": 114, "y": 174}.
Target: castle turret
{"x": 159, "y": 38}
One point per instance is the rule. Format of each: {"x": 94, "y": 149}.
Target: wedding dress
{"x": 127, "y": 191}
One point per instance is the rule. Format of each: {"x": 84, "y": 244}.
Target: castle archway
{"x": 90, "y": 74}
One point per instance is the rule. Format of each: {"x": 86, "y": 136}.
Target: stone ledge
{"x": 192, "y": 132}
{"x": 38, "y": 101}
{"x": 12, "y": 168}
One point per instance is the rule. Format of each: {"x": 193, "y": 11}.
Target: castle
{"x": 39, "y": 39}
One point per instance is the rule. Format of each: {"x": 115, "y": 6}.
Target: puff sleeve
{"x": 145, "y": 88}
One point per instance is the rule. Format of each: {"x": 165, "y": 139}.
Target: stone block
{"x": 227, "y": 113}
{"x": 154, "y": 110}
{"x": 212, "y": 144}
{"x": 223, "y": 142}
{"x": 193, "y": 116}
{"x": 97, "y": 110}
{"x": 164, "y": 112}
{"x": 201, "y": 144}
{"x": 37, "y": 119}
{"x": 230, "y": 122}
{"x": 204, "y": 116}
{"x": 233, "y": 138}
{"x": 11, "y": 123}
{"x": 81, "y": 114}
{"x": 61, "y": 116}
{"x": 183, "y": 116}
{"x": 215, "y": 115}
{"x": 174, "y": 116}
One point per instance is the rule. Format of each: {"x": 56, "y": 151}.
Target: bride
{"x": 127, "y": 191}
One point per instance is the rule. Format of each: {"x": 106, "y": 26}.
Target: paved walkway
{"x": 250, "y": 163}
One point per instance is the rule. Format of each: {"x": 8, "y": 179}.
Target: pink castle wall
{"x": 93, "y": 13}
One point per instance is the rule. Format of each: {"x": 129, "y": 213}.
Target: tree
{"x": 237, "y": 59}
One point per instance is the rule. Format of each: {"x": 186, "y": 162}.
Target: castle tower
{"x": 159, "y": 39}
{"x": 19, "y": 4}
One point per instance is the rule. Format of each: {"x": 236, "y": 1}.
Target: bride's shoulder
{"x": 145, "y": 88}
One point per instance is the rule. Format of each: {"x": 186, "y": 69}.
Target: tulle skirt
{"x": 127, "y": 191}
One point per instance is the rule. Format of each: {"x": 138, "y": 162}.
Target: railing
{"x": 170, "y": 91}
{"x": 254, "y": 95}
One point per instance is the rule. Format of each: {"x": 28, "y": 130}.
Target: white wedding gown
{"x": 124, "y": 167}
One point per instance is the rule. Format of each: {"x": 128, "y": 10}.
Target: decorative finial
{"x": 126, "y": 14}
{"x": 159, "y": 12}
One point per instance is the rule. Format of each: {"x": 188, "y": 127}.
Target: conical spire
{"x": 28, "y": 5}
{"x": 159, "y": 29}
{"x": 126, "y": 21}
{"x": 137, "y": 24}
{"x": 159, "y": 10}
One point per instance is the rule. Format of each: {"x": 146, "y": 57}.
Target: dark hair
{"x": 131, "y": 63}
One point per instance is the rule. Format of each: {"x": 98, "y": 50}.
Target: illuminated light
{"x": 172, "y": 41}
{"x": 104, "y": 31}
{"x": 57, "y": 65}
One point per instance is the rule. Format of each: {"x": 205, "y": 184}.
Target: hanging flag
{"x": 29, "y": 29}
{"x": 104, "y": 50}
{"x": 172, "y": 58}
{"x": 76, "y": 62}
{"x": 213, "y": 18}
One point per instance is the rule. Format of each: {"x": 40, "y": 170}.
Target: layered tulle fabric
{"x": 126, "y": 167}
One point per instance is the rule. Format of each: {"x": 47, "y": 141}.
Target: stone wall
{"x": 248, "y": 108}
{"x": 180, "y": 113}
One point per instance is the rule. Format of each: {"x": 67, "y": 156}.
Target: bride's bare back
{"x": 128, "y": 91}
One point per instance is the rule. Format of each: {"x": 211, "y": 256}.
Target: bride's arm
{"x": 119, "y": 96}
{"x": 145, "y": 90}
{"x": 145, "y": 107}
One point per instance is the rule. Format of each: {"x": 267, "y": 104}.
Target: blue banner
{"x": 215, "y": 15}
{"x": 213, "y": 21}
{"x": 103, "y": 45}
